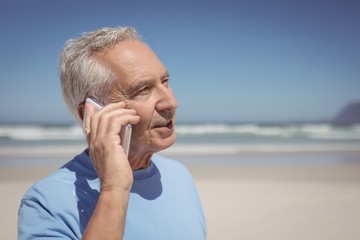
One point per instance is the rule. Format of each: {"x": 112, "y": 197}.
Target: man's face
{"x": 143, "y": 83}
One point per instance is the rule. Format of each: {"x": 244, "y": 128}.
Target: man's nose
{"x": 167, "y": 100}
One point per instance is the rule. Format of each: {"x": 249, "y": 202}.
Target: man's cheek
{"x": 139, "y": 129}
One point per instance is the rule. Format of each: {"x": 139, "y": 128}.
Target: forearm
{"x": 112, "y": 167}
{"x": 108, "y": 219}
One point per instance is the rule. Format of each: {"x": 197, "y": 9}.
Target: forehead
{"x": 131, "y": 60}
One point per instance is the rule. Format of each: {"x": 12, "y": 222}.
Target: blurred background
{"x": 245, "y": 72}
{"x": 260, "y": 83}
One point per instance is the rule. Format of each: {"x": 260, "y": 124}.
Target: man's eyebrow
{"x": 166, "y": 75}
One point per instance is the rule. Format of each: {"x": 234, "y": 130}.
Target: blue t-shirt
{"x": 163, "y": 203}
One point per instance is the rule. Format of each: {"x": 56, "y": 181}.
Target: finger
{"x": 110, "y": 122}
{"x": 96, "y": 115}
{"x": 120, "y": 122}
{"x": 113, "y": 106}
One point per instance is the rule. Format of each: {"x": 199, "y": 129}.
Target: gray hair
{"x": 81, "y": 74}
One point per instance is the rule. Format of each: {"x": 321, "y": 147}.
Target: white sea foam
{"x": 321, "y": 131}
{"x": 187, "y": 150}
{"x": 34, "y": 132}
{"x": 303, "y": 131}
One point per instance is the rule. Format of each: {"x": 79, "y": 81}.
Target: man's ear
{"x": 81, "y": 109}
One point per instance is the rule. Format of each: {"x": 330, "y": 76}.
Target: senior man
{"x": 101, "y": 193}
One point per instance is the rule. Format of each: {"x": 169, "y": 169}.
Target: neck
{"x": 139, "y": 161}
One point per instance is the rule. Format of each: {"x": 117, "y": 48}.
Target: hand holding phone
{"x": 125, "y": 133}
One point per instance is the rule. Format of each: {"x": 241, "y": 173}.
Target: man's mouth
{"x": 168, "y": 124}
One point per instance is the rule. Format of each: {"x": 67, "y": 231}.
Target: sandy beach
{"x": 281, "y": 202}
{"x": 308, "y": 201}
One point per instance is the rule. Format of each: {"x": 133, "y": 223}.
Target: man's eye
{"x": 165, "y": 82}
{"x": 143, "y": 91}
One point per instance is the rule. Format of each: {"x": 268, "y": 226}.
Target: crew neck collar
{"x": 145, "y": 172}
{"x": 138, "y": 174}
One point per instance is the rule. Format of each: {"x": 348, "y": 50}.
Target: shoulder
{"x": 60, "y": 182}
{"x": 172, "y": 169}
{"x": 57, "y": 181}
{"x": 168, "y": 164}
{"x": 50, "y": 206}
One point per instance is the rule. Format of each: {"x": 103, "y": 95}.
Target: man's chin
{"x": 162, "y": 144}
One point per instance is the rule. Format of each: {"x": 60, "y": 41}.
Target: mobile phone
{"x": 125, "y": 133}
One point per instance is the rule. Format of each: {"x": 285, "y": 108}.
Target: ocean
{"x": 200, "y": 143}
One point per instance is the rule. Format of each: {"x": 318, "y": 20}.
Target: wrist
{"x": 114, "y": 197}
{"x": 115, "y": 190}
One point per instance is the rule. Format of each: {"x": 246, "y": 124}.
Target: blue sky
{"x": 244, "y": 61}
